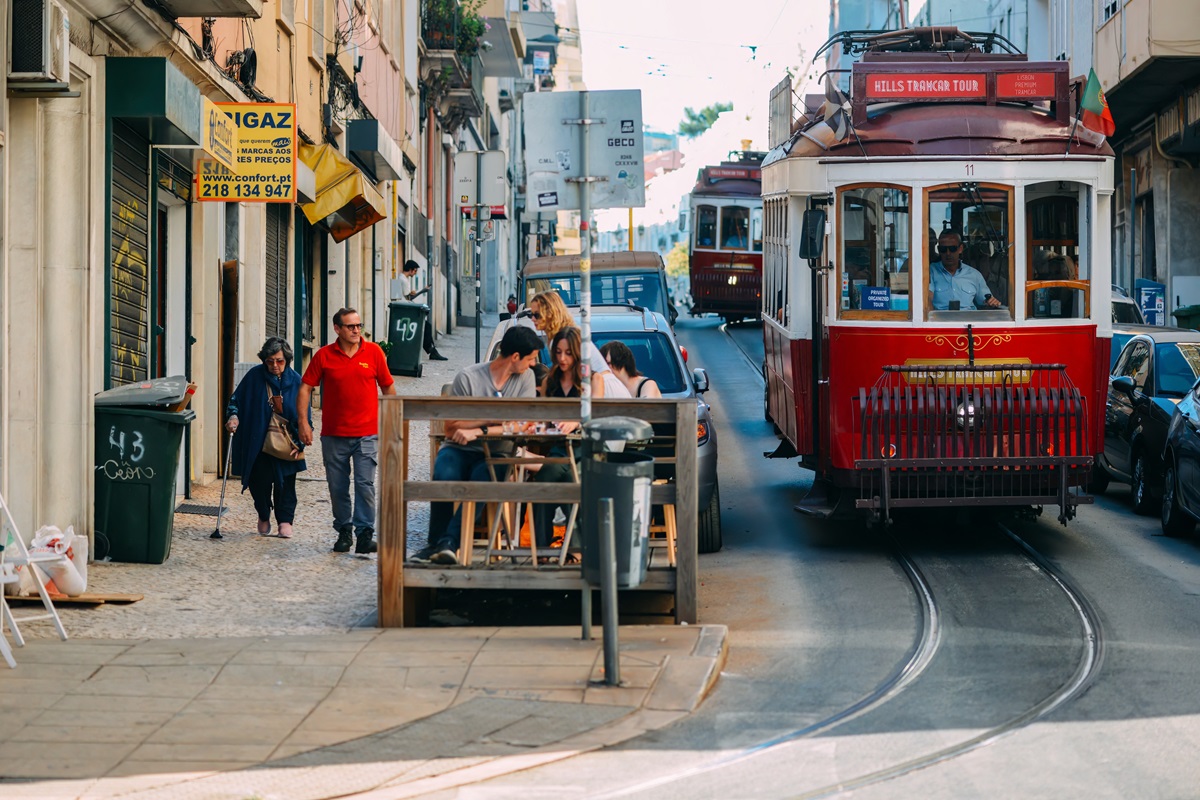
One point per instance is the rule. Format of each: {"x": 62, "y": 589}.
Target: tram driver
{"x": 956, "y": 285}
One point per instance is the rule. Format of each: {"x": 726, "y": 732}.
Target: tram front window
{"x": 706, "y": 226}
{"x": 970, "y": 266}
{"x": 875, "y": 231}
{"x": 735, "y": 228}
{"x": 1057, "y": 284}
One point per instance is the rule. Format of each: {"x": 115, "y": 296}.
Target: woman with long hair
{"x": 565, "y": 376}
{"x": 621, "y": 361}
{"x": 550, "y": 315}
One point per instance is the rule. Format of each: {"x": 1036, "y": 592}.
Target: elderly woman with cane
{"x": 263, "y": 454}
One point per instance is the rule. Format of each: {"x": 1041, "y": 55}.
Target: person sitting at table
{"x": 462, "y": 456}
{"x": 550, "y": 315}
{"x": 621, "y": 361}
{"x": 564, "y": 380}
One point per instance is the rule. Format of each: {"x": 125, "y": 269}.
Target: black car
{"x": 1181, "y": 486}
{"x": 1153, "y": 373}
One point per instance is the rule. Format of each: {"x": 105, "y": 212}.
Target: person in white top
{"x": 407, "y": 273}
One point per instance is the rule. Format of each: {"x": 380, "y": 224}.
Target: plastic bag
{"x": 64, "y": 574}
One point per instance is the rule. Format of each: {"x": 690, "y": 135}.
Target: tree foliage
{"x": 677, "y": 261}
{"x": 697, "y": 122}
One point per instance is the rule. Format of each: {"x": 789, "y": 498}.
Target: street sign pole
{"x": 585, "y": 262}
{"x": 478, "y": 243}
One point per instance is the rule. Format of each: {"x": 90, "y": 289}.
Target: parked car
{"x": 1123, "y": 333}
{"x": 659, "y": 356}
{"x": 1154, "y": 372}
{"x": 1181, "y": 482}
{"x": 1124, "y": 310}
{"x": 628, "y": 277}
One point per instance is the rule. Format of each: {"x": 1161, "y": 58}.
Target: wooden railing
{"x": 404, "y": 587}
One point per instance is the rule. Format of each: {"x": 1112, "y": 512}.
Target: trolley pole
{"x": 478, "y": 244}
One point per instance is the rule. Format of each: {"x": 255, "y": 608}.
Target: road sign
{"x": 487, "y": 230}
{"x": 492, "y": 188}
{"x": 615, "y": 151}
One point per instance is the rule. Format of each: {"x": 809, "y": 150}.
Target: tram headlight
{"x": 732, "y": 280}
{"x": 966, "y": 415}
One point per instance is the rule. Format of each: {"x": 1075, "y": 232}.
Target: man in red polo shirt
{"x": 348, "y": 370}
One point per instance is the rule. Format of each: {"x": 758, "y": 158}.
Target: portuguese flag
{"x": 1094, "y": 112}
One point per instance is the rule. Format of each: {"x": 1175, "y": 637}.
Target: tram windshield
{"x": 970, "y": 255}
{"x": 1057, "y": 276}
{"x": 875, "y": 230}
{"x": 735, "y": 228}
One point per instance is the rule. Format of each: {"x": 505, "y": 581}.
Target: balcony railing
{"x": 439, "y": 24}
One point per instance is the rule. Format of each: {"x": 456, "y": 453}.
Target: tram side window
{"x": 971, "y": 266}
{"x": 1057, "y": 277}
{"x": 875, "y": 229}
{"x": 756, "y": 229}
{"x": 735, "y": 228}
{"x": 706, "y": 226}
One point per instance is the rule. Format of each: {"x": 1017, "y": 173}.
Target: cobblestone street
{"x": 250, "y": 585}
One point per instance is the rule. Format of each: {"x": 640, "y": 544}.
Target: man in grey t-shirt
{"x": 461, "y": 458}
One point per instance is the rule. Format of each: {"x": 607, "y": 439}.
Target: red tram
{"x": 936, "y": 300}
{"x": 725, "y": 259}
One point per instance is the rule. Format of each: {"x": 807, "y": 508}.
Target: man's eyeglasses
{"x": 352, "y": 325}
{"x": 949, "y": 249}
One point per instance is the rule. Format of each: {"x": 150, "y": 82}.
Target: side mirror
{"x": 700, "y": 380}
{"x": 672, "y": 313}
{"x": 1124, "y": 385}
{"x": 505, "y": 315}
{"x": 812, "y": 234}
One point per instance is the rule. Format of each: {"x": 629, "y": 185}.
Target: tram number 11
{"x": 970, "y": 170}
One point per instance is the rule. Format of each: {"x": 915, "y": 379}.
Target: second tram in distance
{"x": 936, "y": 298}
{"x": 725, "y": 259}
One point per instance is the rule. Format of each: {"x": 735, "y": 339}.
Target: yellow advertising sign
{"x": 219, "y": 136}
{"x": 266, "y": 158}
{"x": 942, "y": 372}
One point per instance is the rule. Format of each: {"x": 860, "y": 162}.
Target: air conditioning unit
{"x": 39, "y": 46}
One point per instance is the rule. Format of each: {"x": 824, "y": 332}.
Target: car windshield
{"x": 1126, "y": 313}
{"x": 1176, "y": 366}
{"x": 608, "y": 288}
{"x": 654, "y": 354}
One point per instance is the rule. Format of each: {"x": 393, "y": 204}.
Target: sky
{"x": 693, "y": 53}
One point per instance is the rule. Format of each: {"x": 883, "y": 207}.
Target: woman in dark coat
{"x": 271, "y": 386}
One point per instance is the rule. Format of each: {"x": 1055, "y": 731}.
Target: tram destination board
{"x": 266, "y": 157}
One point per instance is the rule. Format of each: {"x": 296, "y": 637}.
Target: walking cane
{"x": 221, "y": 505}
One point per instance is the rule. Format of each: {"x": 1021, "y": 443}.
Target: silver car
{"x": 659, "y": 356}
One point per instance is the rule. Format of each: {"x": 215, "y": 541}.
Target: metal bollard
{"x": 608, "y": 593}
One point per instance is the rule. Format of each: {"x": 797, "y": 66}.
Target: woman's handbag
{"x": 279, "y": 442}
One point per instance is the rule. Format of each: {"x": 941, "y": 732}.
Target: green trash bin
{"x": 406, "y": 334}
{"x": 1187, "y": 317}
{"x": 137, "y": 458}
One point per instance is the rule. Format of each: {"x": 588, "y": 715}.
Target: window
{"x": 317, "y": 29}
{"x": 735, "y": 228}
{"x": 874, "y": 228}
{"x": 1135, "y": 363}
{"x": 970, "y": 252}
{"x": 287, "y": 15}
{"x": 756, "y": 229}
{"x": 775, "y": 262}
{"x": 706, "y": 226}
{"x": 1056, "y": 274}
{"x": 1176, "y": 366}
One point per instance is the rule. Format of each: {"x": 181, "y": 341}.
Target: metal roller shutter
{"x": 129, "y": 281}
{"x": 277, "y": 273}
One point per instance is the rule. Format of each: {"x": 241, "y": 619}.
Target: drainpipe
{"x": 429, "y": 261}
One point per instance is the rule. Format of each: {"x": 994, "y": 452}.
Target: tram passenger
{"x": 956, "y": 285}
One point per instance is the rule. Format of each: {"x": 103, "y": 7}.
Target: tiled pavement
{"x": 246, "y": 672}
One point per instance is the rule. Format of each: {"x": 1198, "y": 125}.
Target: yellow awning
{"x": 346, "y": 201}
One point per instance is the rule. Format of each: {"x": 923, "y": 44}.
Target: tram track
{"x": 757, "y": 368}
{"x": 927, "y": 641}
